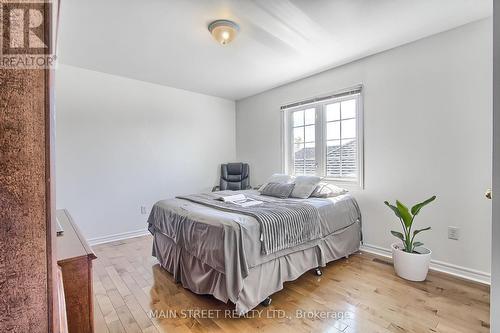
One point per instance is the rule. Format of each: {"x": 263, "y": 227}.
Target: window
{"x": 323, "y": 137}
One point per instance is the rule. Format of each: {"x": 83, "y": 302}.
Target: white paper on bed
{"x": 233, "y": 198}
{"x": 240, "y": 200}
{"x": 248, "y": 203}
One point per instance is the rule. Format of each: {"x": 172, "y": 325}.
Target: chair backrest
{"x": 234, "y": 176}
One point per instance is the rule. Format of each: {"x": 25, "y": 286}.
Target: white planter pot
{"x": 411, "y": 266}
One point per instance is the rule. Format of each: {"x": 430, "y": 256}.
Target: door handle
{"x": 488, "y": 194}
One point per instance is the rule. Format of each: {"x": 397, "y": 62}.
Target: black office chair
{"x": 234, "y": 176}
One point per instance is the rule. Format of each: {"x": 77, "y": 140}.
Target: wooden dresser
{"x": 75, "y": 256}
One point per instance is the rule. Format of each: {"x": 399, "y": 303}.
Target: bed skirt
{"x": 262, "y": 280}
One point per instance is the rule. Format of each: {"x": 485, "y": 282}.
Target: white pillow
{"x": 304, "y": 186}
{"x": 325, "y": 190}
{"x": 280, "y": 178}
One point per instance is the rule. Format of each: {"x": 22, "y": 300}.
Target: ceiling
{"x": 167, "y": 41}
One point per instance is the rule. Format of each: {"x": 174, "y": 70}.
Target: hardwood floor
{"x": 360, "y": 294}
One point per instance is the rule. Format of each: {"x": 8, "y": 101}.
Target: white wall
{"x": 428, "y": 110}
{"x": 122, "y": 143}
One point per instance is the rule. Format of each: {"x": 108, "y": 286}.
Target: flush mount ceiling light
{"x": 223, "y": 31}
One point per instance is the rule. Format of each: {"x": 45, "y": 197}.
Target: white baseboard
{"x": 117, "y": 237}
{"x": 436, "y": 265}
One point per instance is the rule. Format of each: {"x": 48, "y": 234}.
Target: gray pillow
{"x": 305, "y": 186}
{"x": 277, "y": 178}
{"x": 278, "y": 190}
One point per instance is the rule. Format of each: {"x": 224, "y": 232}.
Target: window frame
{"x": 321, "y": 139}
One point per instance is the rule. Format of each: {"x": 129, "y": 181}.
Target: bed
{"x": 214, "y": 249}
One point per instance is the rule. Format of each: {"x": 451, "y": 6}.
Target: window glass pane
{"x": 333, "y": 158}
{"x": 349, "y": 153}
{"x": 298, "y": 150}
{"x": 348, "y": 128}
{"x": 349, "y": 109}
{"x": 298, "y": 118}
{"x": 333, "y": 143}
{"x": 339, "y": 148}
{"x": 309, "y": 135}
{"x": 298, "y": 162}
{"x": 333, "y": 112}
{"x": 310, "y": 116}
{"x": 333, "y": 130}
{"x": 309, "y": 159}
{"x": 298, "y": 135}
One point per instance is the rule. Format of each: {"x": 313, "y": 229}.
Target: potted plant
{"x": 411, "y": 259}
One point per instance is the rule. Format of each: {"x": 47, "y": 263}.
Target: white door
{"x": 495, "y": 256}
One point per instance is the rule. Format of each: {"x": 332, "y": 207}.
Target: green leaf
{"x": 398, "y": 235}
{"x": 415, "y": 244}
{"x": 416, "y": 209}
{"x": 394, "y": 209}
{"x": 420, "y": 230}
{"x": 404, "y": 213}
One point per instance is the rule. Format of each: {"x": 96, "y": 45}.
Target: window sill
{"x": 349, "y": 185}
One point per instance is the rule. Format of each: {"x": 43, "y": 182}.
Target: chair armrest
{"x": 215, "y": 188}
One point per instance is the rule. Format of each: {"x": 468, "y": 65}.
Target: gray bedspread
{"x": 284, "y": 223}
{"x": 230, "y": 242}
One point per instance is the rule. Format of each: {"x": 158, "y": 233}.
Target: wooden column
{"x": 26, "y": 235}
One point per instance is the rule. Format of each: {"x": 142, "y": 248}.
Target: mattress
{"x": 262, "y": 280}
{"x": 227, "y": 246}
{"x": 202, "y": 230}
